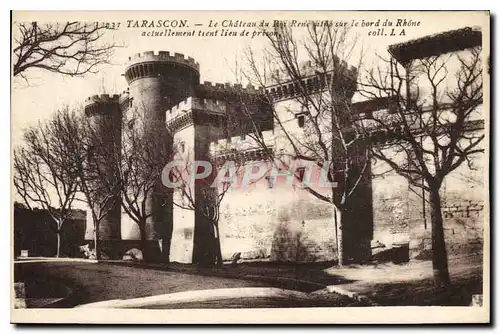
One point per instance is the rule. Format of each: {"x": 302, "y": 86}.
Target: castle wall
{"x": 399, "y": 210}
{"x": 181, "y": 249}
{"x": 283, "y": 224}
{"x": 195, "y": 123}
{"x": 395, "y": 206}
{"x": 266, "y": 223}
{"x": 34, "y": 231}
{"x": 266, "y": 219}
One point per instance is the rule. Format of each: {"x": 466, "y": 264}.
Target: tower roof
{"x": 437, "y": 44}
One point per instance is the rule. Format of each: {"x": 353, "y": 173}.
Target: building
{"x": 400, "y": 207}
{"x": 35, "y": 232}
{"x": 281, "y": 222}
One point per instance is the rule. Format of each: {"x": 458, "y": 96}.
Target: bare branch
{"x": 71, "y": 48}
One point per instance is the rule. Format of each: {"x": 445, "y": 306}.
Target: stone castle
{"x": 280, "y": 223}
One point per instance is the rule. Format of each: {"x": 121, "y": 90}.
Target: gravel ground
{"x": 94, "y": 282}
{"x": 412, "y": 283}
{"x": 384, "y": 284}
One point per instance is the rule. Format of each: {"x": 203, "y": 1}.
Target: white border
{"x": 198, "y": 5}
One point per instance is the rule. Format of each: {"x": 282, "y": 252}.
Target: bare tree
{"x": 430, "y": 127}
{"x": 202, "y": 196}
{"x": 95, "y": 146}
{"x": 321, "y": 87}
{"x": 70, "y": 48}
{"x": 44, "y": 170}
{"x": 146, "y": 149}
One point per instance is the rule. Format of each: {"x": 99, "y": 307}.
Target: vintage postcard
{"x": 291, "y": 167}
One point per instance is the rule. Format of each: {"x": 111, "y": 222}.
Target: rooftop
{"x": 437, "y": 44}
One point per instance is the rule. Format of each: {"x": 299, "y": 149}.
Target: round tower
{"x": 160, "y": 81}
{"x": 157, "y": 82}
{"x": 105, "y": 119}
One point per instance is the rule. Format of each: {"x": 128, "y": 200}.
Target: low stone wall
{"x": 115, "y": 249}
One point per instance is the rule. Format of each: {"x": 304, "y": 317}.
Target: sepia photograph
{"x": 292, "y": 167}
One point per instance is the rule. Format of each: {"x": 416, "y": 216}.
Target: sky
{"x": 46, "y": 92}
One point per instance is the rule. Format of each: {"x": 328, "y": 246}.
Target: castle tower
{"x": 195, "y": 123}
{"x": 105, "y": 116}
{"x": 156, "y": 83}
{"x": 356, "y": 215}
{"x": 160, "y": 81}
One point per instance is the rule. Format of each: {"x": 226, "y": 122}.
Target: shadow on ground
{"x": 424, "y": 293}
{"x": 384, "y": 284}
{"x": 310, "y": 272}
{"x": 94, "y": 282}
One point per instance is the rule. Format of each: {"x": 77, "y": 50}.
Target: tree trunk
{"x": 167, "y": 241}
{"x": 58, "y": 251}
{"x": 165, "y": 249}
{"x": 439, "y": 256}
{"x": 339, "y": 236}
{"x": 97, "y": 243}
{"x": 142, "y": 229}
{"x": 217, "y": 246}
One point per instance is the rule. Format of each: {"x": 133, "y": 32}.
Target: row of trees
{"x": 49, "y": 169}
{"x": 67, "y": 159}
{"x": 427, "y": 123}
{"x": 76, "y": 158}
{"x": 108, "y": 161}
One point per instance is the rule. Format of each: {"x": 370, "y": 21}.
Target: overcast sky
{"x": 217, "y": 55}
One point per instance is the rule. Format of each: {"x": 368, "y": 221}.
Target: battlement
{"x": 125, "y": 100}
{"x": 189, "y": 103}
{"x": 226, "y": 90}
{"x": 163, "y": 56}
{"x": 312, "y": 80}
{"x": 212, "y": 106}
{"x": 307, "y": 68}
{"x": 240, "y": 144}
{"x": 103, "y": 98}
{"x": 98, "y": 104}
{"x": 125, "y": 95}
{"x": 229, "y": 88}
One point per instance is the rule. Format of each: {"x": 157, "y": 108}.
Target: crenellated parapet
{"x": 242, "y": 148}
{"x": 149, "y": 64}
{"x": 103, "y": 98}
{"x": 307, "y": 68}
{"x": 195, "y": 110}
{"x": 164, "y": 56}
{"x": 208, "y": 105}
{"x": 125, "y": 100}
{"x": 227, "y": 90}
{"x": 313, "y": 81}
{"x": 101, "y": 104}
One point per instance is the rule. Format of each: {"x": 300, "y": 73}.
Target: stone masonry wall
{"x": 284, "y": 223}
{"x": 399, "y": 210}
